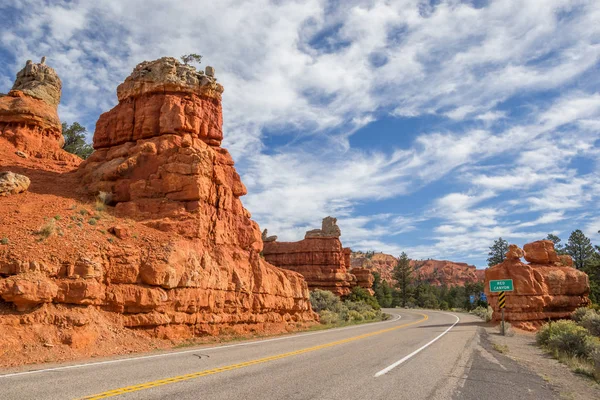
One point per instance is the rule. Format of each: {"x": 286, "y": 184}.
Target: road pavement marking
{"x": 167, "y": 381}
{"x": 414, "y": 353}
{"x": 120, "y": 360}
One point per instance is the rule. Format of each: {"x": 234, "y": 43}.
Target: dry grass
{"x": 47, "y": 230}
{"x": 500, "y": 348}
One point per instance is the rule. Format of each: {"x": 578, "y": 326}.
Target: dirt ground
{"x": 522, "y": 348}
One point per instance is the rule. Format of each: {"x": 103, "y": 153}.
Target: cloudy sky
{"x": 425, "y": 126}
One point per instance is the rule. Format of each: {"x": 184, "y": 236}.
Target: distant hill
{"x": 435, "y": 272}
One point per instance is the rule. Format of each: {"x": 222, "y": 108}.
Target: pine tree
{"x": 403, "y": 276}
{"x": 497, "y": 252}
{"x": 579, "y": 248}
{"x": 560, "y": 249}
{"x": 74, "y": 136}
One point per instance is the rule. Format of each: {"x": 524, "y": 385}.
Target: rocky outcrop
{"x": 546, "y": 288}
{"x": 447, "y": 273}
{"x": 177, "y": 255}
{"x": 435, "y": 272}
{"x": 11, "y": 183}
{"x": 28, "y": 115}
{"x": 364, "y": 278}
{"x": 320, "y": 258}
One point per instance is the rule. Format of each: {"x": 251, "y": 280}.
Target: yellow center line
{"x": 180, "y": 378}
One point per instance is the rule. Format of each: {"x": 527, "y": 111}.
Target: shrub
{"x": 4, "y": 241}
{"x": 444, "y": 305}
{"x": 324, "y": 300}
{"x": 566, "y": 337}
{"x": 355, "y": 316}
{"x": 483, "y": 312}
{"x": 359, "y": 294}
{"x": 93, "y": 221}
{"x": 591, "y": 322}
{"x": 579, "y": 313}
{"x": 102, "y": 200}
{"x": 329, "y": 317}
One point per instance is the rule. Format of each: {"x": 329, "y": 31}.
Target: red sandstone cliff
{"x": 183, "y": 260}
{"x": 320, "y": 258}
{"x": 546, "y": 288}
{"x": 435, "y": 272}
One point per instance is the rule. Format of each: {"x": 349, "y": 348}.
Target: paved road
{"x": 416, "y": 355}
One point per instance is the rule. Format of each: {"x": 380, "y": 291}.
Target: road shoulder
{"x": 521, "y": 348}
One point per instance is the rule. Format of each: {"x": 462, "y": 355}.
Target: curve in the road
{"x": 175, "y": 379}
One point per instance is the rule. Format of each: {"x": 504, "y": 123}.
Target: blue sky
{"x": 430, "y": 127}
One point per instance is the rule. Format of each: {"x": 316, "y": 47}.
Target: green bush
{"x": 324, "y": 300}
{"x": 579, "y": 313}
{"x": 591, "y": 322}
{"x": 566, "y": 337}
{"x": 484, "y": 313}
{"x": 359, "y": 294}
{"x": 355, "y": 316}
{"x": 329, "y": 317}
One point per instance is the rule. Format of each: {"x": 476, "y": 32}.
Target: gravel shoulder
{"x": 521, "y": 347}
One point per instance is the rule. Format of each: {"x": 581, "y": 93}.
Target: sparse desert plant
{"x": 102, "y": 200}
{"x": 47, "y": 229}
{"x": 4, "y": 241}
{"x": 93, "y": 221}
{"x": 57, "y": 217}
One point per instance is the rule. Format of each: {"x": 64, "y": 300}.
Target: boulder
{"x": 546, "y": 288}
{"x": 11, "y": 183}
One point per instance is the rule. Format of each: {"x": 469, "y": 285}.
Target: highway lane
{"x": 419, "y": 354}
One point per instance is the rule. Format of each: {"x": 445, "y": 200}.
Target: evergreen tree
{"x": 560, "y": 249}
{"x": 403, "y": 276}
{"x": 74, "y": 136}
{"x": 579, "y": 248}
{"x": 497, "y": 252}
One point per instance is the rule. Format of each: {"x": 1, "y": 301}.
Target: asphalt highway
{"x": 417, "y": 354}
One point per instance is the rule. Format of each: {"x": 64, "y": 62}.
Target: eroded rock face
{"x": 364, "y": 278}
{"x": 163, "y": 97}
{"x": 546, "y": 288}
{"x": 320, "y": 258}
{"x": 28, "y": 115}
{"x": 204, "y": 275}
{"x": 435, "y": 272}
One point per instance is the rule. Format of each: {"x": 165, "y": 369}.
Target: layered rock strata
{"x": 320, "y": 258}
{"x": 195, "y": 269}
{"x": 548, "y": 287}
{"x": 28, "y": 115}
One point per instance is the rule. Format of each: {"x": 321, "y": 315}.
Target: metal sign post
{"x": 502, "y": 286}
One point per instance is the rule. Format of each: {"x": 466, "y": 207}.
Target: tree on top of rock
{"x": 403, "y": 275}
{"x": 580, "y": 248}
{"x": 75, "y": 140}
{"x": 187, "y": 59}
{"x": 497, "y": 252}
{"x": 560, "y": 249}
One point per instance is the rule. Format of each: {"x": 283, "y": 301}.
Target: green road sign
{"x": 500, "y": 286}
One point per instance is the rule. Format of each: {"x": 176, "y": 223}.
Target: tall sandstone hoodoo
{"x": 184, "y": 260}
{"x": 28, "y": 115}
{"x": 320, "y": 258}
{"x": 549, "y": 287}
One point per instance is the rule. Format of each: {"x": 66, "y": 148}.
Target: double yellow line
{"x": 180, "y": 378}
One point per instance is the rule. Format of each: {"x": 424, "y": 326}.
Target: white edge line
{"x": 37, "y": 371}
{"x": 394, "y": 365}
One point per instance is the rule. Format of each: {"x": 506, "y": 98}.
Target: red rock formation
{"x": 546, "y": 288}
{"x": 435, "y": 272}
{"x": 184, "y": 259}
{"x": 320, "y": 258}
{"x": 449, "y": 273}
{"x": 364, "y": 278}
{"x": 28, "y": 115}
